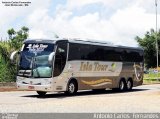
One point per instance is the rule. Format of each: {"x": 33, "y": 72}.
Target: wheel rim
{"x": 121, "y": 85}
{"x": 71, "y": 88}
{"x": 129, "y": 84}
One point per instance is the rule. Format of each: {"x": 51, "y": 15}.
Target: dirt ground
{"x": 4, "y": 89}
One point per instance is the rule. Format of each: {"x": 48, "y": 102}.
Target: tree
{"x": 18, "y": 37}
{"x": 11, "y": 32}
{"x": 7, "y": 70}
{"x": 148, "y": 43}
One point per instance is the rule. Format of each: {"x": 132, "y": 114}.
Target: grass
{"x": 151, "y": 78}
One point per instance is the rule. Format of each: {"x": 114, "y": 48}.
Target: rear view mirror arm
{"x": 50, "y": 58}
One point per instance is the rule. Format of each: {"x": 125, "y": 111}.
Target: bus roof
{"x": 39, "y": 41}
{"x": 80, "y": 41}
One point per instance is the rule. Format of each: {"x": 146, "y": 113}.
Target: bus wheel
{"x": 129, "y": 85}
{"x": 72, "y": 87}
{"x": 41, "y": 93}
{"x": 122, "y": 85}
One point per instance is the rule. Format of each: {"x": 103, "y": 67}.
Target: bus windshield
{"x": 34, "y": 60}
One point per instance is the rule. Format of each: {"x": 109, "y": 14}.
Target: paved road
{"x": 144, "y": 98}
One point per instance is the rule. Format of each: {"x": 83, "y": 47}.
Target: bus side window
{"x": 60, "y": 59}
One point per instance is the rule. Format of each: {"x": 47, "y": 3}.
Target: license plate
{"x": 31, "y": 87}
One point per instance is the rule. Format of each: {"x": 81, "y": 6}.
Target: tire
{"x": 41, "y": 93}
{"x": 129, "y": 85}
{"x": 72, "y": 88}
{"x": 122, "y": 85}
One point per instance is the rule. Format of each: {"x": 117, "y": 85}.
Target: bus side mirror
{"x": 50, "y": 58}
{"x": 12, "y": 57}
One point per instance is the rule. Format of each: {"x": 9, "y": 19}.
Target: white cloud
{"x": 10, "y": 15}
{"x": 128, "y": 19}
{"x": 121, "y": 28}
{"x": 72, "y": 4}
{"x": 132, "y": 21}
{"x": 35, "y": 33}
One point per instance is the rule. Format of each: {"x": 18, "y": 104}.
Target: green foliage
{"x": 8, "y": 70}
{"x": 11, "y": 32}
{"x": 148, "y": 43}
{"x": 152, "y": 76}
{"x": 18, "y": 37}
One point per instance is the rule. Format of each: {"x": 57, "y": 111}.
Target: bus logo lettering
{"x": 85, "y": 66}
{"x": 95, "y": 67}
{"x": 99, "y": 67}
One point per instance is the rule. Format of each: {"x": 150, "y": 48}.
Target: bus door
{"x": 60, "y": 58}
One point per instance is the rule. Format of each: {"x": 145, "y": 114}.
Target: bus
{"x": 69, "y": 65}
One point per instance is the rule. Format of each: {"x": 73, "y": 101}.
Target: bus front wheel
{"x": 72, "y": 87}
{"x": 41, "y": 93}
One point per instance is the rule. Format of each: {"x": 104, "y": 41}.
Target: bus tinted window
{"x": 85, "y": 52}
{"x": 112, "y": 54}
{"x": 103, "y": 53}
{"x": 132, "y": 56}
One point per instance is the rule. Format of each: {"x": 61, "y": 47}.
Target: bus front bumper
{"x": 46, "y": 88}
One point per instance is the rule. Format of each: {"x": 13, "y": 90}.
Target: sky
{"x": 115, "y": 21}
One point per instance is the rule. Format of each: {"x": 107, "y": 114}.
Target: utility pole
{"x": 156, "y": 4}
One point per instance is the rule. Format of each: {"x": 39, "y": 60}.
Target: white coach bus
{"x": 71, "y": 65}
